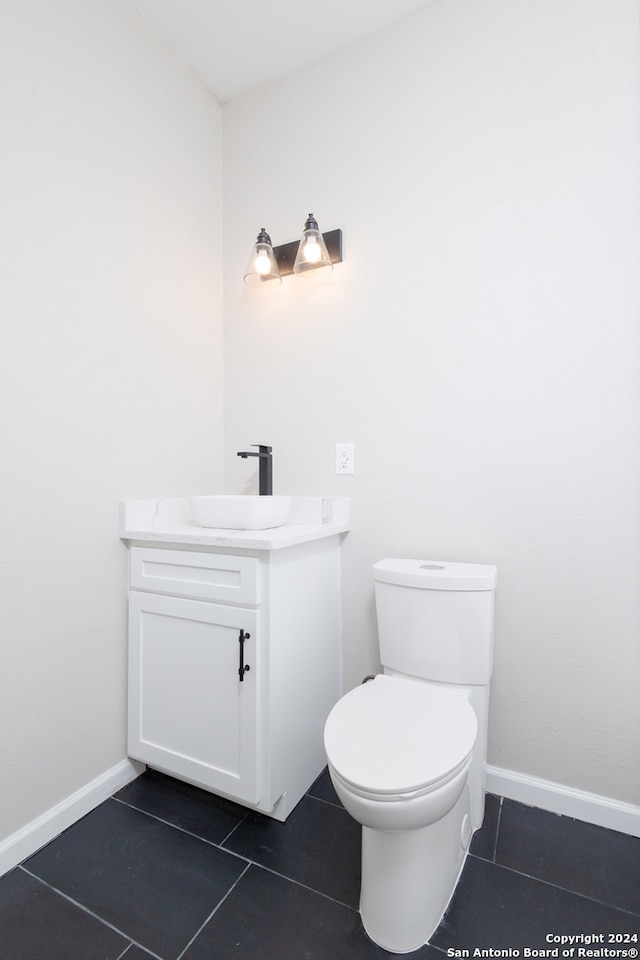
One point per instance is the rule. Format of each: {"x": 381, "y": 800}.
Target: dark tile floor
{"x": 168, "y": 871}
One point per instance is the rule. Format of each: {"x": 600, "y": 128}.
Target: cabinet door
{"x": 189, "y": 712}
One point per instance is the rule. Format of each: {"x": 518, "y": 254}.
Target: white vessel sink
{"x": 243, "y": 512}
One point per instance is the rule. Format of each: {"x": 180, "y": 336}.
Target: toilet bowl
{"x": 400, "y": 794}
{"x": 407, "y": 750}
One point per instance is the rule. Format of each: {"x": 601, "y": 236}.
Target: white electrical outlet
{"x": 344, "y": 458}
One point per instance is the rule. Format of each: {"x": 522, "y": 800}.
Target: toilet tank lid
{"x": 436, "y": 574}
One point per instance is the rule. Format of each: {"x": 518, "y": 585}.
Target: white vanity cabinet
{"x": 234, "y": 665}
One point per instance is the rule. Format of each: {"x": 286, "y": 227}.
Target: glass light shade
{"x": 312, "y": 257}
{"x": 262, "y": 266}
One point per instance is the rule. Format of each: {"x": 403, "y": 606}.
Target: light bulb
{"x": 312, "y": 251}
{"x": 262, "y": 263}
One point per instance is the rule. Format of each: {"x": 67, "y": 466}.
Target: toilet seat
{"x": 394, "y": 739}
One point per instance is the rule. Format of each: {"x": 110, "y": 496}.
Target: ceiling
{"x": 235, "y": 45}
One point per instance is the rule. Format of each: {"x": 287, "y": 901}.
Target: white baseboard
{"x": 21, "y": 844}
{"x": 591, "y": 807}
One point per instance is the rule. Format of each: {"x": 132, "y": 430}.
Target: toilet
{"x": 407, "y": 749}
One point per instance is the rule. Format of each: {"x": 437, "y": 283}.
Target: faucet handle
{"x": 262, "y": 448}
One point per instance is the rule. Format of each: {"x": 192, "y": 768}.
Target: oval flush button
{"x": 432, "y": 566}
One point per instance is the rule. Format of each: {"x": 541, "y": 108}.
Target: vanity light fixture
{"x": 313, "y": 255}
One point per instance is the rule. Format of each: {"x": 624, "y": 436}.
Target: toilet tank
{"x": 435, "y": 619}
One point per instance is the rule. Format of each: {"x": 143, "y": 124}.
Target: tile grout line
{"x": 556, "y": 886}
{"x": 189, "y": 833}
{"x": 213, "y": 912}
{"x": 498, "y": 825}
{"x": 90, "y": 913}
{"x": 338, "y": 806}
{"x": 305, "y": 886}
{"x": 126, "y": 950}
{"x": 233, "y": 830}
{"x": 239, "y": 856}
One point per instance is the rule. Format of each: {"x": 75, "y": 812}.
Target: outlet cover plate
{"x": 344, "y": 458}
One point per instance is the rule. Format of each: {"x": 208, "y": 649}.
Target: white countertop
{"x": 168, "y": 521}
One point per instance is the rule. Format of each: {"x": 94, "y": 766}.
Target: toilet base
{"x": 409, "y": 876}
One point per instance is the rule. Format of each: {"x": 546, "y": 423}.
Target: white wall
{"x": 479, "y": 344}
{"x": 110, "y": 365}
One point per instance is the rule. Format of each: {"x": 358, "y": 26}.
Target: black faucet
{"x": 265, "y": 472}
